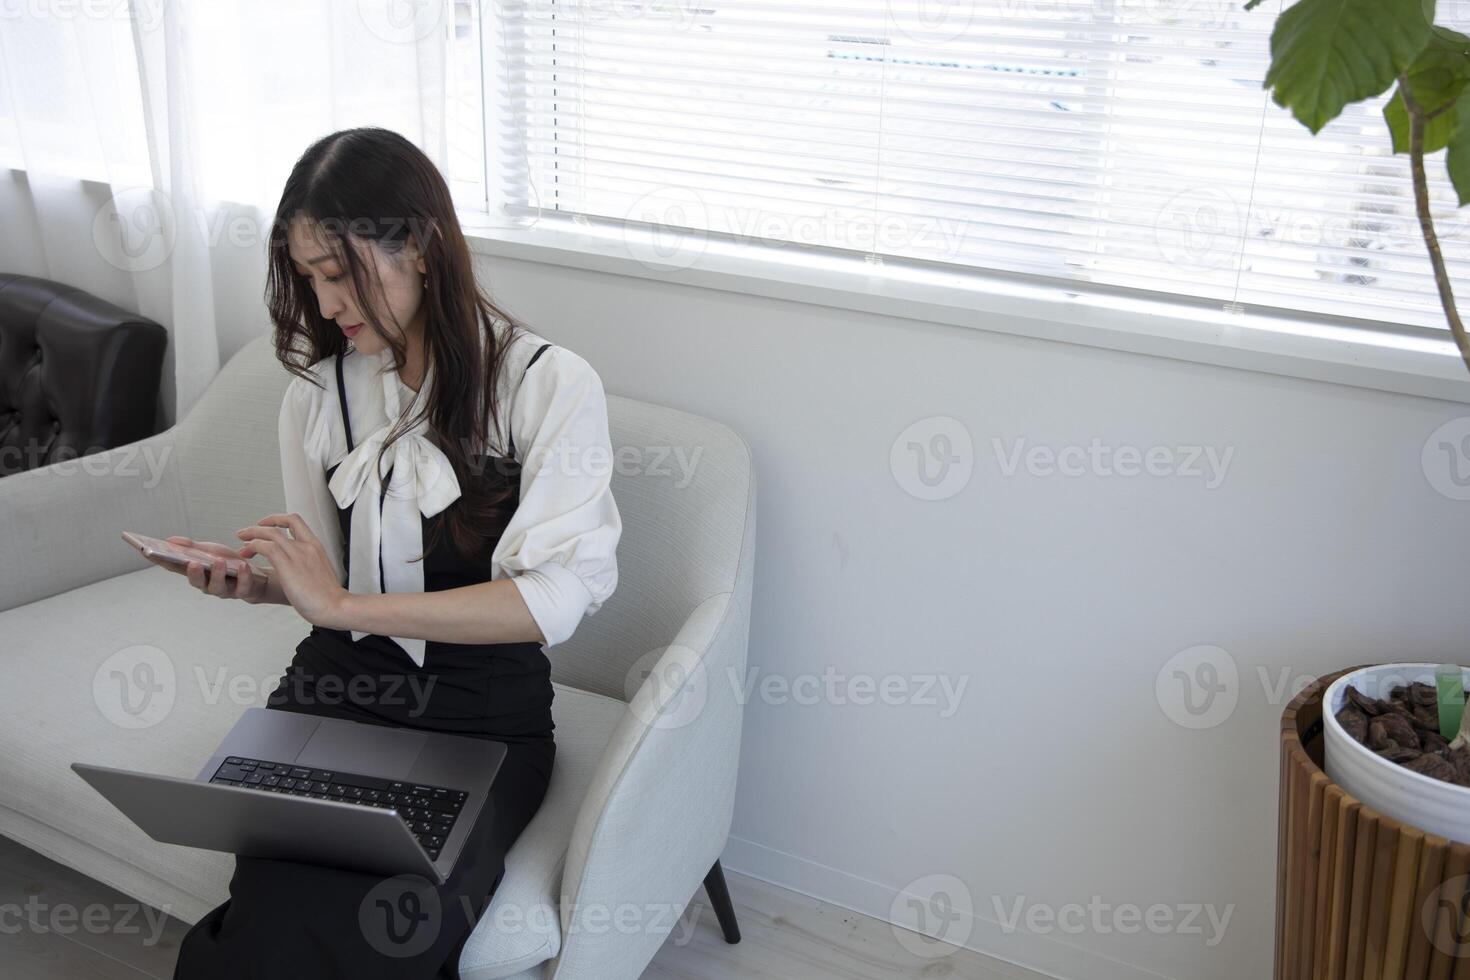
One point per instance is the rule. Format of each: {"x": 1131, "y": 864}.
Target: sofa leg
{"x": 719, "y": 897}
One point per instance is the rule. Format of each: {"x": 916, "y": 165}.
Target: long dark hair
{"x": 373, "y": 184}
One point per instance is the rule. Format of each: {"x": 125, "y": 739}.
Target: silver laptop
{"x": 301, "y": 787}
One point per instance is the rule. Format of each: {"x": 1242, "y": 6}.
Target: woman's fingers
{"x": 271, "y": 542}
{"x": 242, "y": 584}
{"x": 194, "y": 571}
{"x": 300, "y": 530}
{"x": 269, "y": 538}
{"x": 248, "y": 582}
{"x": 210, "y": 578}
{"x": 216, "y": 582}
{"x": 276, "y": 553}
{"x": 259, "y": 532}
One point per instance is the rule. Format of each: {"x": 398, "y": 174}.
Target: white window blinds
{"x": 1127, "y": 143}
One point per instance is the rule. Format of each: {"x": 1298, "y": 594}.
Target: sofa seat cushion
{"x": 140, "y": 671}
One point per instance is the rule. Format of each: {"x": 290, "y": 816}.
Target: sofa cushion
{"x": 140, "y": 671}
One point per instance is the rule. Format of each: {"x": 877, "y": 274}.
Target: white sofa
{"x": 112, "y": 661}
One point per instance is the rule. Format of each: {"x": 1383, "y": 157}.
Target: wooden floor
{"x": 785, "y": 936}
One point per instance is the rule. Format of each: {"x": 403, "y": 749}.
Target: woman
{"x": 451, "y": 468}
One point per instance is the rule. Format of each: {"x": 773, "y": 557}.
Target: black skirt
{"x": 288, "y": 919}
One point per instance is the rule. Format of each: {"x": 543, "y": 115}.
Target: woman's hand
{"x": 250, "y": 585}
{"x": 300, "y": 564}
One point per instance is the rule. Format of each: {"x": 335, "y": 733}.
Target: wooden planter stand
{"x": 1352, "y": 885}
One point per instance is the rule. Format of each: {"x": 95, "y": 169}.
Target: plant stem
{"x": 1426, "y": 223}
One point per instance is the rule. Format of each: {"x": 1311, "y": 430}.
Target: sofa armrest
{"x": 81, "y": 373}
{"x": 61, "y": 524}
{"x": 658, "y": 811}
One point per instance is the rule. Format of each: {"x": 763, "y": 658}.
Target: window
{"x": 1126, "y": 143}
{"x": 248, "y": 83}
{"x": 69, "y": 96}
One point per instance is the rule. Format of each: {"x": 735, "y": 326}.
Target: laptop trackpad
{"x": 385, "y": 752}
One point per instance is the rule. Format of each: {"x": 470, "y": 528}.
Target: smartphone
{"x": 181, "y": 555}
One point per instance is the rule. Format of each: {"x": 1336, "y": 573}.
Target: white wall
{"x": 1056, "y": 599}
{"x": 1053, "y": 599}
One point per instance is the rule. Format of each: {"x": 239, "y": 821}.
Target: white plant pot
{"x": 1420, "y": 801}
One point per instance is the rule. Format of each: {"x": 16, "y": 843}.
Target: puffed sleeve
{"x": 306, "y": 432}
{"x": 560, "y": 546}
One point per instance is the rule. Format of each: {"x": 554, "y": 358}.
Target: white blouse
{"x": 560, "y": 544}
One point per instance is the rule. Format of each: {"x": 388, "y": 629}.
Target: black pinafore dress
{"x": 288, "y": 919}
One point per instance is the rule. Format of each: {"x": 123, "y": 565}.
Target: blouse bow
{"x": 421, "y": 481}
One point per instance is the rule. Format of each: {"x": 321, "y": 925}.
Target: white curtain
{"x": 148, "y": 141}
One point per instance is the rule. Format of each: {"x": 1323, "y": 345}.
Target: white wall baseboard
{"x": 1044, "y": 954}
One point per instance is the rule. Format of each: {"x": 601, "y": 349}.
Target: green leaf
{"x": 1457, "y": 157}
{"x": 1436, "y": 132}
{"x": 1327, "y": 53}
{"x": 1436, "y": 78}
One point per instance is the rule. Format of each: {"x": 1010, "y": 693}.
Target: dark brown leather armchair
{"x": 78, "y": 375}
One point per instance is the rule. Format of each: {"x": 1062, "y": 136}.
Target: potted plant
{"x": 1326, "y": 54}
{"x": 1374, "y": 837}
{"x": 1392, "y": 738}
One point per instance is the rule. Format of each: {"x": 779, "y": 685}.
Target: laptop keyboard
{"x": 429, "y": 811}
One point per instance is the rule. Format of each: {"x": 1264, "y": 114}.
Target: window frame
{"x": 1391, "y": 357}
